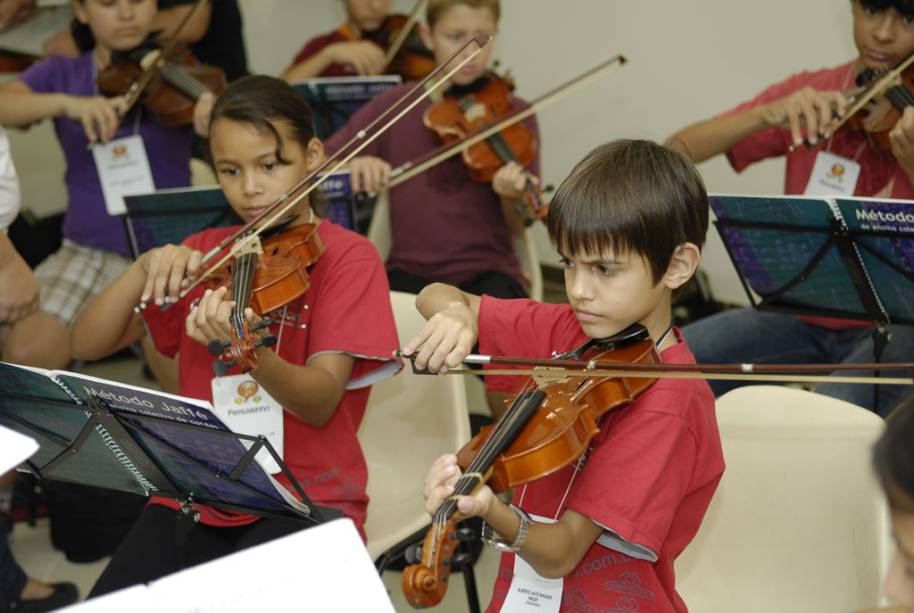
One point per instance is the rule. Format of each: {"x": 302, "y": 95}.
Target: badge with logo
{"x": 247, "y": 408}
{"x": 832, "y": 175}
{"x": 123, "y": 169}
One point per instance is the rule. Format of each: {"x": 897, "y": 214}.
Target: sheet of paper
{"x": 134, "y": 599}
{"x": 14, "y": 448}
{"x": 324, "y": 568}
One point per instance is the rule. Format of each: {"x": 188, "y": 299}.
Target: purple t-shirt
{"x": 87, "y": 221}
{"x": 446, "y": 226}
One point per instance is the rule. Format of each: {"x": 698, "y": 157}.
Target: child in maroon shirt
{"x": 343, "y": 52}
{"x": 445, "y": 226}
{"x": 604, "y": 532}
{"x": 333, "y": 342}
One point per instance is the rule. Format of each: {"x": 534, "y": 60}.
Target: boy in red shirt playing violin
{"x": 603, "y": 533}
{"x": 784, "y": 115}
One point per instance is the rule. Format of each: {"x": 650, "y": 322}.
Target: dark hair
{"x": 260, "y": 101}
{"x": 904, "y": 7}
{"x": 630, "y": 196}
{"x": 893, "y": 457}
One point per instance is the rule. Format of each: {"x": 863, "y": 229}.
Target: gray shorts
{"x": 73, "y": 275}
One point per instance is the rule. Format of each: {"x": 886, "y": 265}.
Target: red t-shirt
{"x": 319, "y": 42}
{"x": 880, "y": 173}
{"x": 648, "y": 478}
{"x": 446, "y": 226}
{"x": 346, "y": 310}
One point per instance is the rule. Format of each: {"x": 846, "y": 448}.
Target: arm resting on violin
{"x": 553, "y": 550}
{"x": 706, "y": 139}
{"x": 310, "y": 392}
{"x": 108, "y": 323}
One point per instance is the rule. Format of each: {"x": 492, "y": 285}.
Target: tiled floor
{"x": 32, "y": 546}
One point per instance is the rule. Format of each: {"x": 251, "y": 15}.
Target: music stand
{"x": 850, "y": 258}
{"x": 169, "y": 216}
{"x": 191, "y": 457}
{"x": 333, "y": 100}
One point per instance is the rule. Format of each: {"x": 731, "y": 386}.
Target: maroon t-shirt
{"x": 319, "y": 42}
{"x": 446, "y": 226}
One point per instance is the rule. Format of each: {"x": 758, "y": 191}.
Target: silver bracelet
{"x": 489, "y": 538}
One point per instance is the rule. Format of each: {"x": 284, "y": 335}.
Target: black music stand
{"x": 850, "y": 258}
{"x": 94, "y": 439}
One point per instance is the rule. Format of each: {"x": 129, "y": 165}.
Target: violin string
{"x": 182, "y": 80}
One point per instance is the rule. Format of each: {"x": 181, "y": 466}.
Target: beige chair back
{"x": 524, "y": 245}
{"x": 799, "y": 522}
{"x": 410, "y": 421}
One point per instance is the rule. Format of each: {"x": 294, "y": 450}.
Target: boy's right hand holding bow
{"x": 451, "y": 331}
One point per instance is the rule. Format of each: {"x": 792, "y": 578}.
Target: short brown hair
{"x": 630, "y": 196}
{"x": 436, "y": 8}
{"x": 893, "y": 457}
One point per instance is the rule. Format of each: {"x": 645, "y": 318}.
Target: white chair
{"x": 410, "y": 421}
{"x": 524, "y": 244}
{"x": 799, "y": 522}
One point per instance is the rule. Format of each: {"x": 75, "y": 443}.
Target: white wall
{"x": 688, "y": 60}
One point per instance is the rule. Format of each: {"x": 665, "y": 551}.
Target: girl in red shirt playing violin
{"x": 333, "y": 342}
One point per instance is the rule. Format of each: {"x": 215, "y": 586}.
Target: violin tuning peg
{"x": 222, "y": 367}
{"x": 267, "y": 341}
{"x": 263, "y": 323}
{"x": 413, "y": 553}
{"x": 467, "y": 535}
{"x": 216, "y": 348}
{"x": 461, "y": 560}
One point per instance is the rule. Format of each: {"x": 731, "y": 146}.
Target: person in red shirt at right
{"x": 601, "y": 534}
{"x": 343, "y": 52}
{"x": 785, "y": 115}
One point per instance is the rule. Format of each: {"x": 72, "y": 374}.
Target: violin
{"x": 547, "y": 427}
{"x": 410, "y": 59}
{"x": 172, "y": 90}
{"x": 877, "y": 103}
{"x": 265, "y": 276}
{"x": 14, "y": 61}
{"x": 454, "y": 118}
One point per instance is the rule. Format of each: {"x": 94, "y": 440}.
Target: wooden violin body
{"x": 170, "y": 96}
{"x": 413, "y": 60}
{"x": 456, "y": 118}
{"x": 548, "y": 427}
{"x": 877, "y": 118}
{"x": 265, "y": 277}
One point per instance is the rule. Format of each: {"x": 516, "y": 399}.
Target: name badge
{"x": 530, "y": 591}
{"x": 246, "y": 408}
{"x": 123, "y": 169}
{"x": 832, "y": 175}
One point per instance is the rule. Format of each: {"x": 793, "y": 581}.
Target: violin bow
{"x": 136, "y": 90}
{"x": 410, "y": 169}
{"x": 276, "y": 211}
{"x": 737, "y": 372}
{"x": 888, "y": 80}
{"x": 403, "y": 34}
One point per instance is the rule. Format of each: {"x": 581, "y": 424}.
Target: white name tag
{"x": 529, "y": 591}
{"x": 123, "y": 169}
{"x": 833, "y": 175}
{"x": 247, "y": 408}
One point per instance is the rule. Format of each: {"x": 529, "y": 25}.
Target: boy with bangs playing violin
{"x": 344, "y": 52}
{"x": 603, "y": 534}
{"x": 446, "y": 226}
{"x": 784, "y": 117}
